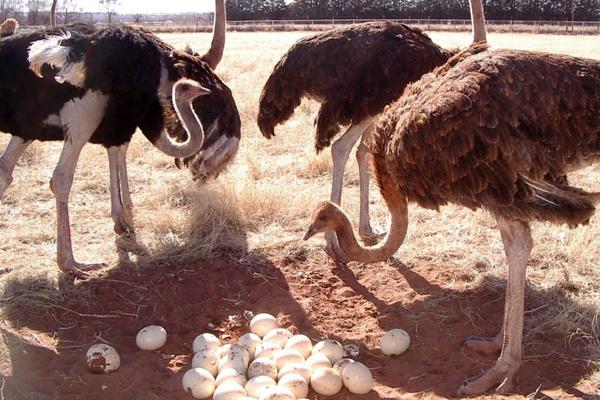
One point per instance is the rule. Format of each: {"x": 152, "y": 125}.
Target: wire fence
{"x": 457, "y": 25}
{"x": 558, "y": 27}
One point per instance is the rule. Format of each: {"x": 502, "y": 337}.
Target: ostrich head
{"x": 326, "y": 217}
{"x": 218, "y": 115}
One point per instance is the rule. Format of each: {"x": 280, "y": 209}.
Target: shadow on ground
{"x": 49, "y": 326}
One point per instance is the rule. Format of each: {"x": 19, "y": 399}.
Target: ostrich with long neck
{"x": 80, "y": 84}
{"x": 490, "y": 129}
{"x": 354, "y": 72}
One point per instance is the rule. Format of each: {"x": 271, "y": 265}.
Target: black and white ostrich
{"x": 493, "y": 130}
{"x": 354, "y": 72}
{"x": 80, "y": 84}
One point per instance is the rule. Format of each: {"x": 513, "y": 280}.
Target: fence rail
{"x": 592, "y": 27}
{"x": 459, "y": 25}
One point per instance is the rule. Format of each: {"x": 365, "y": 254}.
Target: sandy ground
{"x": 353, "y": 305}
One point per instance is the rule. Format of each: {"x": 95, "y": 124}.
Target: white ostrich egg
{"x": 102, "y": 359}
{"x": 284, "y": 357}
{"x": 295, "y": 368}
{"x": 277, "y": 393}
{"x": 152, "y": 337}
{"x": 206, "y": 342}
{"x": 229, "y": 391}
{"x": 267, "y": 350}
{"x": 199, "y": 382}
{"x": 317, "y": 361}
{"x": 207, "y": 361}
{"x": 236, "y": 363}
{"x": 357, "y": 378}
{"x": 234, "y": 351}
{"x": 261, "y": 324}
{"x": 395, "y": 342}
{"x": 340, "y": 365}
{"x": 230, "y": 375}
{"x": 301, "y": 344}
{"x": 250, "y": 342}
{"x": 295, "y": 383}
{"x": 278, "y": 336}
{"x": 263, "y": 366}
{"x": 332, "y": 349}
{"x": 326, "y": 381}
{"x": 259, "y": 384}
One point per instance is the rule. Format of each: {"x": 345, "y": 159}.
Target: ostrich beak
{"x": 310, "y": 233}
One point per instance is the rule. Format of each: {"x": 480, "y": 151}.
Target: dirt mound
{"x": 47, "y": 344}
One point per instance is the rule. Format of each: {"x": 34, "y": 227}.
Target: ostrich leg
{"x": 516, "y": 237}
{"x": 124, "y": 181}
{"x": 362, "y": 158}
{"x": 340, "y": 151}
{"x": 121, "y": 209}
{"x": 81, "y": 117}
{"x": 15, "y": 148}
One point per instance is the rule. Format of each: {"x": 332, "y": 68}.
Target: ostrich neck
{"x": 384, "y": 250}
{"x": 478, "y": 21}
{"x": 187, "y": 116}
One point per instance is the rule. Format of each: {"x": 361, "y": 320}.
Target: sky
{"x": 152, "y": 6}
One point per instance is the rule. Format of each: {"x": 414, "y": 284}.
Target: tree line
{"x": 37, "y": 12}
{"x": 554, "y": 10}
{"x": 49, "y": 12}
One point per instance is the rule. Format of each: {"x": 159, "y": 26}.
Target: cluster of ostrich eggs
{"x": 271, "y": 363}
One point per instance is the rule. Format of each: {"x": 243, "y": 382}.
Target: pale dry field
{"x": 263, "y": 202}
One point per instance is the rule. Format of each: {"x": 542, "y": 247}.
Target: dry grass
{"x": 263, "y": 202}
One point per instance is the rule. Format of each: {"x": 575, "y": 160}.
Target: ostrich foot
{"x": 78, "y": 270}
{"x": 366, "y": 232}
{"x": 500, "y": 374}
{"x": 369, "y": 237}
{"x": 128, "y": 243}
{"x": 124, "y": 225}
{"x": 485, "y": 345}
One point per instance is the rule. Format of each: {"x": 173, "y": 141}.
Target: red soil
{"x": 353, "y": 305}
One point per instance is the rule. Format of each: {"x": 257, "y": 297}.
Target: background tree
{"x": 36, "y": 12}
{"x": 109, "y": 7}
{"x": 10, "y": 8}
{"x": 565, "y": 10}
{"x": 53, "y": 13}
{"x": 71, "y": 12}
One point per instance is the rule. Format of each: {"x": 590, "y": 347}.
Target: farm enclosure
{"x": 449, "y": 283}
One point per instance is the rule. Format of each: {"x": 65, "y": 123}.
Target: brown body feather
{"x": 353, "y": 71}
{"x": 493, "y": 129}
{"x": 8, "y": 27}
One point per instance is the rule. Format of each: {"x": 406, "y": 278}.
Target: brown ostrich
{"x": 8, "y": 27}
{"x": 354, "y": 72}
{"x": 490, "y": 129}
